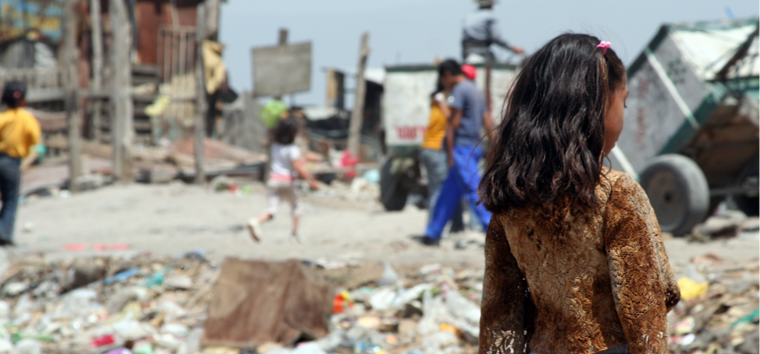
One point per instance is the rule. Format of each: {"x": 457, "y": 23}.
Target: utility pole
{"x": 357, "y": 114}
{"x": 282, "y": 40}
{"x": 97, "y": 65}
{"x": 72, "y": 100}
{"x": 122, "y": 131}
{"x": 489, "y": 65}
{"x": 200, "y": 107}
{"x": 212, "y": 16}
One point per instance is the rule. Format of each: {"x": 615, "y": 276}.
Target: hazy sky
{"x": 418, "y": 31}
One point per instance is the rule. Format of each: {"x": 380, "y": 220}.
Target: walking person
{"x": 286, "y": 166}
{"x": 575, "y": 261}
{"x": 468, "y": 115}
{"x": 19, "y": 132}
{"x": 434, "y": 157}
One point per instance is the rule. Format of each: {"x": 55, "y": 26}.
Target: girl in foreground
{"x": 575, "y": 261}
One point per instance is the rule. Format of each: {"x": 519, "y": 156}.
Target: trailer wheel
{"x": 393, "y": 193}
{"x": 678, "y": 191}
{"x": 749, "y": 205}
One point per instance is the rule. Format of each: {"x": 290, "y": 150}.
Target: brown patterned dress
{"x": 564, "y": 279}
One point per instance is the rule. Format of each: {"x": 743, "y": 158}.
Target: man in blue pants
{"x": 468, "y": 116}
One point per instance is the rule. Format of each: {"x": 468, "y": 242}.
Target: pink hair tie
{"x": 605, "y": 45}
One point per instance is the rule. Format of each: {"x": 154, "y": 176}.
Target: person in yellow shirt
{"x": 19, "y": 132}
{"x": 434, "y": 157}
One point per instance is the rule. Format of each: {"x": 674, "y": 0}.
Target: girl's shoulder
{"x": 615, "y": 176}
{"x": 623, "y": 191}
{"x": 614, "y": 181}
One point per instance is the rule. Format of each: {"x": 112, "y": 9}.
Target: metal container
{"x": 691, "y": 122}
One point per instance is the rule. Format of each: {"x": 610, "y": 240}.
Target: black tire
{"x": 393, "y": 193}
{"x": 678, "y": 191}
{"x": 749, "y": 205}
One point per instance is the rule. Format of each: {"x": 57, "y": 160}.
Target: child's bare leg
{"x": 254, "y": 225}
{"x": 264, "y": 217}
{"x": 296, "y": 218}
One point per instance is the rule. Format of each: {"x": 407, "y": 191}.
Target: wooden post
{"x": 489, "y": 64}
{"x": 200, "y": 108}
{"x": 97, "y": 66}
{"x": 357, "y": 113}
{"x": 72, "y": 100}
{"x": 212, "y": 15}
{"x": 335, "y": 89}
{"x": 282, "y": 39}
{"x": 122, "y": 132}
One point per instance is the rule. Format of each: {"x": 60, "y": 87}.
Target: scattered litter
{"x": 190, "y": 305}
{"x": 691, "y": 289}
{"x": 718, "y": 311}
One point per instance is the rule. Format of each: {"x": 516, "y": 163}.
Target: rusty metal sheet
{"x": 256, "y": 302}
{"x": 281, "y": 70}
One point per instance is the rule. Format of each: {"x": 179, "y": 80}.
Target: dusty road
{"x": 171, "y": 219}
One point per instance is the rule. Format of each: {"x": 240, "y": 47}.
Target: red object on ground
{"x": 470, "y": 71}
{"x": 76, "y": 247}
{"x": 102, "y": 341}
{"x": 114, "y": 247}
{"x": 349, "y": 161}
{"x": 338, "y": 304}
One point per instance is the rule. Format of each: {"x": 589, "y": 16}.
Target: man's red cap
{"x": 469, "y": 71}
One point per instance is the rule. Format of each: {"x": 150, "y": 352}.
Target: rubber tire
{"x": 393, "y": 194}
{"x": 678, "y": 191}
{"x": 749, "y": 205}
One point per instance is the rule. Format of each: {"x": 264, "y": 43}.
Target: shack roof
{"x": 708, "y": 46}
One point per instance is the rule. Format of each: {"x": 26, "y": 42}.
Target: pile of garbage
{"x": 435, "y": 309}
{"x": 179, "y": 305}
{"x": 150, "y": 304}
{"x": 718, "y": 312}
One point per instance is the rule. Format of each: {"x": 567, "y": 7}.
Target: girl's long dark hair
{"x": 551, "y": 139}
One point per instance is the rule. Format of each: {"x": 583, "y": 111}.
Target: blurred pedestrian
{"x": 286, "y": 166}
{"x": 468, "y": 115}
{"x": 575, "y": 262}
{"x": 434, "y": 157}
{"x": 471, "y": 73}
{"x": 19, "y": 132}
{"x": 479, "y": 32}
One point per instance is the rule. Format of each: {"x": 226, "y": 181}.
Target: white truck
{"x": 405, "y": 115}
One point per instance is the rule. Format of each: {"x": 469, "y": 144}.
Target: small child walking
{"x": 286, "y": 166}
{"x": 575, "y": 261}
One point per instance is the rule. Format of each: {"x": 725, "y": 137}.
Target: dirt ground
{"x": 176, "y": 218}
